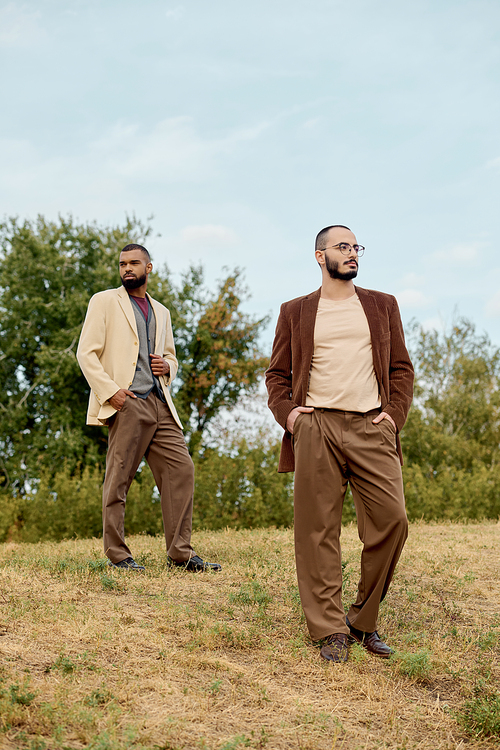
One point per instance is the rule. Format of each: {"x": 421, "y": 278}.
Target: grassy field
{"x": 97, "y": 659}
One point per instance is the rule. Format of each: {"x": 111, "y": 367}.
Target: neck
{"x": 337, "y": 289}
{"x": 139, "y": 292}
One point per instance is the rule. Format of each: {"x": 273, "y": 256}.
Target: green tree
{"x": 217, "y": 348}
{"x": 48, "y": 272}
{"x": 451, "y": 440}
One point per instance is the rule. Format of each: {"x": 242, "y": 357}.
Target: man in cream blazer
{"x": 127, "y": 354}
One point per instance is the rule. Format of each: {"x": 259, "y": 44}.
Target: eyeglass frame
{"x": 358, "y": 249}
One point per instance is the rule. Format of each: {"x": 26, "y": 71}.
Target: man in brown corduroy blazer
{"x": 340, "y": 383}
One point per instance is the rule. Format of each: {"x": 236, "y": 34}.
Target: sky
{"x": 242, "y": 129}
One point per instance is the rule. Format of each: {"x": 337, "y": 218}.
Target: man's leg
{"x": 377, "y": 485}
{"x": 319, "y": 490}
{"x": 173, "y": 471}
{"x": 130, "y": 431}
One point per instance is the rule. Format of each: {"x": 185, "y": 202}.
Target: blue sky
{"x": 244, "y": 128}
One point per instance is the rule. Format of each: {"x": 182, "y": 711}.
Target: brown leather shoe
{"x": 335, "y": 648}
{"x": 370, "y": 641}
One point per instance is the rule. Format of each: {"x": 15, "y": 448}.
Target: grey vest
{"x": 144, "y": 381}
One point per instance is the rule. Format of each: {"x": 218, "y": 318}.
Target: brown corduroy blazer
{"x": 287, "y": 378}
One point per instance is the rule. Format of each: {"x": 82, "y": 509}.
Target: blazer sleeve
{"x": 279, "y": 372}
{"x": 90, "y": 348}
{"x": 401, "y": 375}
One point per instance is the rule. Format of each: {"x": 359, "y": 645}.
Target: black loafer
{"x": 371, "y": 642}
{"x": 195, "y": 564}
{"x": 128, "y": 564}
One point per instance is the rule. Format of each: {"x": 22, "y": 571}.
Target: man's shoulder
{"x": 381, "y": 297}
{"x": 295, "y": 304}
{"x": 106, "y": 295}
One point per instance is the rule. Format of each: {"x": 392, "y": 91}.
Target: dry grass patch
{"x": 168, "y": 660}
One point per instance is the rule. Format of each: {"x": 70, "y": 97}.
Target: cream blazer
{"x": 108, "y": 349}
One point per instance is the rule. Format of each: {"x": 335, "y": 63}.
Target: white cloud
{"x": 435, "y": 323}
{"x": 493, "y": 164}
{"x": 208, "y": 234}
{"x": 492, "y": 306}
{"x": 175, "y": 13}
{"x": 463, "y": 252}
{"x": 171, "y": 151}
{"x": 16, "y": 153}
{"x": 128, "y": 167}
{"x": 19, "y": 27}
{"x": 311, "y": 124}
{"x": 413, "y": 298}
{"x": 411, "y": 280}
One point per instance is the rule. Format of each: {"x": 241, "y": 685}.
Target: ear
{"x": 149, "y": 267}
{"x": 320, "y": 257}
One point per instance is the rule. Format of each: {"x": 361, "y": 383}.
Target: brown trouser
{"x": 331, "y": 449}
{"x": 146, "y": 428}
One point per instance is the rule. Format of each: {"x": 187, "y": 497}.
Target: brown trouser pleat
{"x": 331, "y": 449}
{"x": 146, "y": 428}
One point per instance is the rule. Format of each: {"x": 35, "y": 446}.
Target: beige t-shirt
{"x": 342, "y": 375}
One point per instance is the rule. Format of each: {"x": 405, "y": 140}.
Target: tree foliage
{"x": 48, "y": 272}
{"x": 217, "y": 348}
{"x": 451, "y": 440}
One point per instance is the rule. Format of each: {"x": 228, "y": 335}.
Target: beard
{"x": 134, "y": 282}
{"x": 332, "y": 267}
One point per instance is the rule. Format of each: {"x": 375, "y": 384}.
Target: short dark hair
{"x": 133, "y": 246}
{"x": 321, "y": 239}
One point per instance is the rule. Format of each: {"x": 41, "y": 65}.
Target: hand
{"x": 119, "y": 398}
{"x": 159, "y": 365}
{"x": 384, "y": 415}
{"x": 290, "y": 420}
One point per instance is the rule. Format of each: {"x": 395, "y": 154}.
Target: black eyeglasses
{"x": 345, "y": 248}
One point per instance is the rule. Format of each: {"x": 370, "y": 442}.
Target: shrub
{"x": 480, "y": 716}
{"x": 238, "y": 488}
{"x": 241, "y": 488}
{"x": 452, "y": 493}
{"x": 415, "y": 665}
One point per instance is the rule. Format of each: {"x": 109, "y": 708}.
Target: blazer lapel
{"x": 369, "y": 305}
{"x": 308, "y": 310}
{"x": 126, "y": 306}
{"x": 157, "y": 312}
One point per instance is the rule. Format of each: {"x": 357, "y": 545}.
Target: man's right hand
{"x": 290, "y": 420}
{"x": 119, "y": 397}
